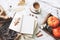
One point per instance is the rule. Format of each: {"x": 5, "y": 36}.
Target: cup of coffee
{"x": 35, "y": 8}
{"x": 1, "y": 10}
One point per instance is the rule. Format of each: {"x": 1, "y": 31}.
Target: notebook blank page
{"x": 27, "y": 25}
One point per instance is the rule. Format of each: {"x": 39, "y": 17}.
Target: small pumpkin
{"x": 56, "y": 32}
{"x": 53, "y": 21}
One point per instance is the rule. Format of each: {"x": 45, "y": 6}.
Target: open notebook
{"x": 26, "y": 24}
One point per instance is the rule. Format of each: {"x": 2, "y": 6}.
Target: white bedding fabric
{"x": 45, "y": 9}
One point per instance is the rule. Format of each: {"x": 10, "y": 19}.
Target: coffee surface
{"x": 36, "y": 5}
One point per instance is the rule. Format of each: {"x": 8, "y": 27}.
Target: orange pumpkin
{"x": 56, "y": 32}
{"x": 53, "y": 21}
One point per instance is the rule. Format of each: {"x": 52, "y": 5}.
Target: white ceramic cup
{"x": 35, "y": 8}
{"x": 1, "y": 10}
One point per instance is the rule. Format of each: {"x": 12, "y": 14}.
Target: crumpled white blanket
{"x": 24, "y": 37}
